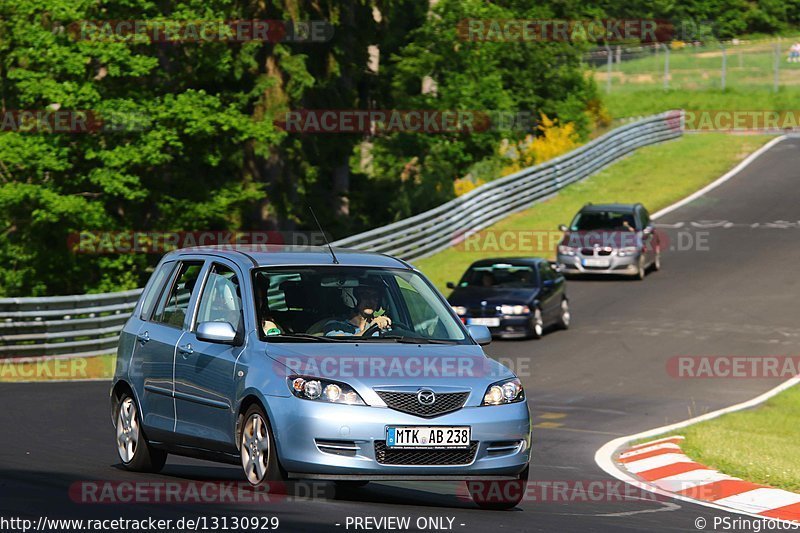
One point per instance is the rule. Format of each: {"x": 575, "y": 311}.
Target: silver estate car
{"x": 615, "y": 239}
{"x": 314, "y": 363}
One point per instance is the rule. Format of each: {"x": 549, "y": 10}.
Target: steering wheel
{"x": 370, "y": 330}
{"x": 374, "y": 327}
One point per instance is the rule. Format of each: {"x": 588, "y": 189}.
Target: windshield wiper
{"x": 416, "y": 340}
{"x": 302, "y": 337}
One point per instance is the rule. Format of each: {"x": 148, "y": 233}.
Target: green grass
{"x": 651, "y": 101}
{"x": 758, "y": 445}
{"x": 656, "y": 175}
{"x": 695, "y": 81}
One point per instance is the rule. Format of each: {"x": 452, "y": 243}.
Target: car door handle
{"x": 185, "y": 350}
{"x": 143, "y": 338}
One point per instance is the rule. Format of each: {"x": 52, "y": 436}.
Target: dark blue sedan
{"x": 514, "y": 297}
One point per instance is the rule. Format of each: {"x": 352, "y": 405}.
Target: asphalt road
{"x": 732, "y": 293}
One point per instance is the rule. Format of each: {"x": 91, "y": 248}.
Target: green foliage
{"x": 485, "y": 76}
{"x": 188, "y": 140}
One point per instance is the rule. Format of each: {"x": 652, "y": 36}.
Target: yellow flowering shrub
{"x": 556, "y": 139}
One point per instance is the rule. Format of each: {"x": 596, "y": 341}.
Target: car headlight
{"x": 566, "y": 250}
{"x": 460, "y": 310}
{"x": 514, "y": 309}
{"x": 628, "y": 250}
{"x": 502, "y": 392}
{"x": 323, "y": 390}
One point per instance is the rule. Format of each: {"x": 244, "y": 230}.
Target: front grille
{"x": 604, "y": 252}
{"x": 483, "y": 312}
{"x": 587, "y": 251}
{"x": 406, "y": 402}
{"x": 389, "y": 456}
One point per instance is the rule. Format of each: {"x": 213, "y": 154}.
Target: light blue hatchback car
{"x": 313, "y": 363}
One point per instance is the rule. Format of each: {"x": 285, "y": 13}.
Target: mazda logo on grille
{"x": 426, "y": 397}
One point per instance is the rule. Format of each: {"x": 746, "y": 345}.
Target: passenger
{"x": 364, "y": 300}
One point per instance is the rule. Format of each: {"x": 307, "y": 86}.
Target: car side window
{"x": 546, "y": 272}
{"x": 645, "y": 216}
{"x": 155, "y": 288}
{"x": 221, "y": 300}
{"x": 172, "y": 307}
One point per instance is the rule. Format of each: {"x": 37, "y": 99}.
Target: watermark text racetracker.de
{"x": 211, "y": 30}
{"x": 605, "y": 31}
{"x": 160, "y": 242}
{"x": 545, "y": 241}
{"x": 375, "y": 366}
{"x": 742, "y": 120}
{"x": 417, "y": 121}
{"x": 733, "y": 366}
{"x": 55, "y": 120}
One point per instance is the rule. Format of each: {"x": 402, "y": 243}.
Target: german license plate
{"x": 488, "y": 322}
{"x": 596, "y": 262}
{"x": 428, "y": 436}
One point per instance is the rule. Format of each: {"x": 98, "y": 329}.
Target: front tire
{"x": 257, "y": 448}
{"x": 641, "y": 270}
{"x": 537, "y": 324}
{"x": 505, "y": 495}
{"x": 133, "y": 449}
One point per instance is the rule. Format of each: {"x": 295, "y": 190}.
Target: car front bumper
{"x": 511, "y": 326}
{"x": 627, "y": 265}
{"x": 307, "y": 433}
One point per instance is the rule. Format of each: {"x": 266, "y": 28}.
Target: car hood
{"x": 601, "y": 238}
{"x": 475, "y": 296}
{"x": 367, "y": 366}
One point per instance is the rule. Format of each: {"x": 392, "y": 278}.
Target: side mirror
{"x": 451, "y": 285}
{"x": 219, "y": 332}
{"x": 548, "y": 283}
{"x": 480, "y": 334}
{"x": 648, "y": 230}
{"x": 563, "y": 227}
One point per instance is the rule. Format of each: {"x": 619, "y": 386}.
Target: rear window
{"x": 604, "y": 220}
{"x": 501, "y": 275}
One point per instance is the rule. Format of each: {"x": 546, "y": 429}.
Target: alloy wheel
{"x": 255, "y": 449}
{"x": 127, "y": 430}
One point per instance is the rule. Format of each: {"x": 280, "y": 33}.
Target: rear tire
{"x": 257, "y": 448}
{"x": 133, "y": 449}
{"x": 565, "y": 317}
{"x": 500, "y": 497}
{"x": 657, "y": 260}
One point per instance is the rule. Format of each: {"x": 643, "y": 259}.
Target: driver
{"x": 365, "y": 315}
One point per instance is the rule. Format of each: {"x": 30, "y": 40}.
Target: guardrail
{"x": 448, "y": 224}
{"x": 85, "y": 325}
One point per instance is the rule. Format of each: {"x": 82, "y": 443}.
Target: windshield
{"x": 500, "y": 275}
{"x": 603, "y": 220}
{"x": 351, "y": 304}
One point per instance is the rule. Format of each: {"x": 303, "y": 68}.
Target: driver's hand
{"x": 382, "y": 322}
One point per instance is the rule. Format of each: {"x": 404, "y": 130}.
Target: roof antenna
{"x": 335, "y": 261}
